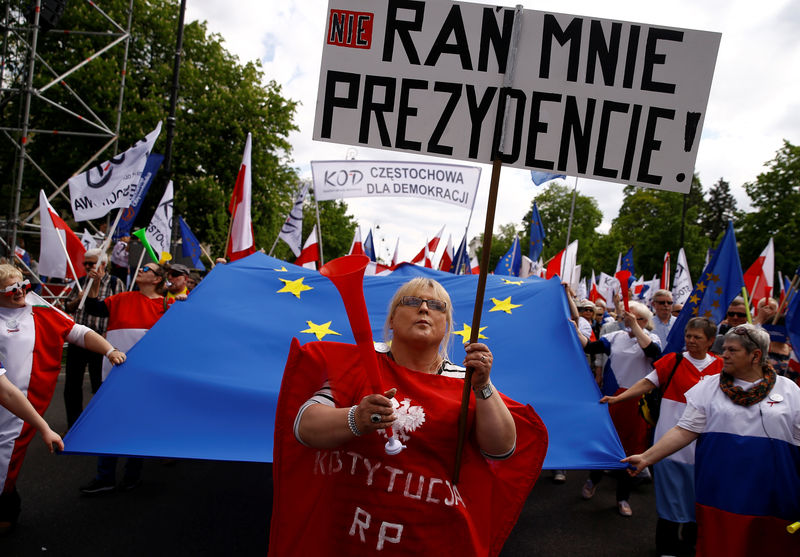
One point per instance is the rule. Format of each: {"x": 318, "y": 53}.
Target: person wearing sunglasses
{"x": 32, "y": 337}
{"x": 631, "y": 353}
{"x": 422, "y": 410}
{"x": 130, "y": 315}
{"x": 735, "y": 316}
{"x": 746, "y": 421}
{"x": 177, "y": 278}
{"x": 663, "y": 320}
{"x": 79, "y": 359}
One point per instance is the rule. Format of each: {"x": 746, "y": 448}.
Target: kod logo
{"x": 340, "y": 178}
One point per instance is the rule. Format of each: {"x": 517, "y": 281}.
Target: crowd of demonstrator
{"x": 728, "y": 397}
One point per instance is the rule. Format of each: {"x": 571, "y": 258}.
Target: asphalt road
{"x": 202, "y": 508}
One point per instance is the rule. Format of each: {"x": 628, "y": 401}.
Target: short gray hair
{"x": 98, "y": 254}
{"x": 751, "y": 338}
{"x": 662, "y": 292}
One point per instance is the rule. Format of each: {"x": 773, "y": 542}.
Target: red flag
{"x": 356, "y": 248}
{"x": 665, "y": 272}
{"x": 240, "y": 241}
{"x": 395, "y": 257}
{"x": 365, "y": 501}
{"x": 475, "y": 267}
{"x": 430, "y": 247}
{"x": 61, "y": 253}
{"x": 554, "y": 265}
{"x": 759, "y": 278}
{"x": 447, "y": 256}
{"x": 310, "y": 254}
{"x": 594, "y": 294}
{"x": 622, "y": 277}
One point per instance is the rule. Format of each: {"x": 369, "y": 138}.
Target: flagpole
{"x": 319, "y": 230}
{"x": 572, "y": 210}
{"x": 26, "y": 267}
{"x": 104, "y": 248}
{"x": 787, "y": 299}
{"x": 207, "y": 254}
{"x": 497, "y": 164}
{"x": 136, "y": 272}
{"x": 747, "y": 302}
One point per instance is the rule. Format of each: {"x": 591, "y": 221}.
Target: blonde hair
{"x": 413, "y": 288}
{"x": 7, "y": 271}
{"x": 642, "y": 310}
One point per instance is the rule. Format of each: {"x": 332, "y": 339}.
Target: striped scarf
{"x": 751, "y": 396}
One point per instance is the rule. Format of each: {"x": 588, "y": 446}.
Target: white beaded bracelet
{"x": 351, "y": 421}
{"x": 109, "y": 352}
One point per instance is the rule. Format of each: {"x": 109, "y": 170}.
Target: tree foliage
{"x": 719, "y": 208}
{"x": 220, "y": 100}
{"x": 775, "y": 196}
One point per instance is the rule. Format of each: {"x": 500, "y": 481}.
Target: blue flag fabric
{"x": 793, "y": 317}
{"x": 720, "y": 283}
{"x": 190, "y": 247}
{"x": 627, "y": 265}
{"x": 203, "y": 382}
{"x": 369, "y": 246}
{"x": 461, "y": 264}
{"x": 537, "y": 234}
{"x": 540, "y": 178}
{"x": 509, "y": 264}
{"x": 129, "y": 215}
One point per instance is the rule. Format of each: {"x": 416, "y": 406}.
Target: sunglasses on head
{"x": 736, "y": 314}
{"x": 415, "y": 302}
{"x": 743, "y": 331}
{"x": 11, "y": 289}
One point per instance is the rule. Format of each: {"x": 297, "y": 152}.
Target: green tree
{"x": 719, "y": 208}
{"x": 650, "y": 222}
{"x": 775, "y": 196}
{"x": 220, "y": 101}
{"x": 554, "y": 205}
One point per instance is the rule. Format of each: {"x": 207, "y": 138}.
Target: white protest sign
{"x": 596, "y": 98}
{"x": 112, "y": 184}
{"x": 448, "y": 183}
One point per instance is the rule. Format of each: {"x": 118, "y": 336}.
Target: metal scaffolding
{"x": 22, "y": 23}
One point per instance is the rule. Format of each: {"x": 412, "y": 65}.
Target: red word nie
{"x": 350, "y": 29}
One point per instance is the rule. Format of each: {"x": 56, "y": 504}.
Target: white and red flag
{"x": 474, "y": 265}
{"x": 61, "y": 253}
{"x": 357, "y": 248}
{"x": 429, "y": 249}
{"x": 310, "y": 255}
{"x": 396, "y": 256}
{"x": 240, "y": 241}
{"x": 759, "y": 278}
{"x": 563, "y": 263}
{"x": 594, "y": 293}
{"x": 665, "y": 272}
{"x": 447, "y": 255}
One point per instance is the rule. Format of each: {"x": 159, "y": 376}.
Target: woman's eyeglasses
{"x": 745, "y": 332}
{"x": 23, "y": 286}
{"x": 153, "y": 270}
{"x": 415, "y": 302}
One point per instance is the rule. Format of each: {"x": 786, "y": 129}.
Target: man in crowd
{"x": 765, "y": 311}
{"x": 78, "y": 358}
{"x": 178, "y": 275}
{"x": 735, "y": 316}
{"x": 676, "y": 309}
{"x": 119, "y": 259}
{"x": 663, "y": 318}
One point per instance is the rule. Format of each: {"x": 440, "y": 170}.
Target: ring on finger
{"x": 483, "y": 359}
{"x": 375, "y": 418}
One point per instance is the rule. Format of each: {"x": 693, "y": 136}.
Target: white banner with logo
{"x": 159, "y": 231}
{"x": 448, "y": 183}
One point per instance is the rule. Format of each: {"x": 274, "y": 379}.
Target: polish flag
{"x": 665, "y": 273}
{"x": 594, "y": 294}
{"x": 474, "y": 265}
{"x": 310, "y": 255}
{"x": 759, "y": 278}
{"x": 430, "y": 247}
{"x": 563, "y": 263}
{"x": 356, "y": 248}
{"x": 61, "y": 253}
{"x": 426, "y": 259}
{"x": 447, "y": 256}
{"x": 240, "y": 240}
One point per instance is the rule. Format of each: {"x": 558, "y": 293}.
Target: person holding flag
{"x": 346, "y": 419}
{"x": 32, "y": 342}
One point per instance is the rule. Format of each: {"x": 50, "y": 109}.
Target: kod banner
{"x": 448, "y": 183}
{"x": 589, "y": 97}
{"x": 112, "y": 184}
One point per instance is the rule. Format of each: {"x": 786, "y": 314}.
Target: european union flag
{"x": 627, "y": 265}
{"x": 191, "y": 247}
{"x": 540, "y": 178}
{"x": 509, "y": 264}
{"x": 369, "y": 246}
{"x": 461, "y": 264}
{"x": 793, "y": 316}
{"x": 720, "y": 283}
{"x": 537, "y": 234}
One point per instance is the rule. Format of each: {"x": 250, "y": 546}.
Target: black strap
{"x": 678, "y": 359}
